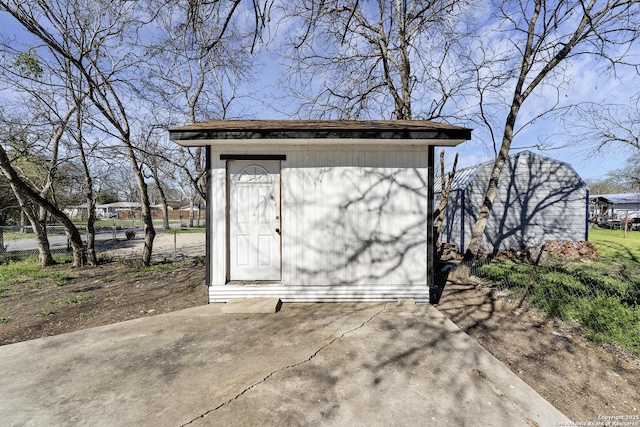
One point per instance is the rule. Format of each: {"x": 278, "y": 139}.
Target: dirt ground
{"x": 585, "y": 380}
{"x": 96, "y": 296}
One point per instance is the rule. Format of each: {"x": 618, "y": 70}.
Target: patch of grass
{"x": 602, "y": 295}
{"x": 612, "y": 244}
{"x": 63, "y": 259}
{"x": 28, "y": 271}
{"x": 154, "y": 267}
{"x": 199, "y": 260}
{"x": 46, "y": 312}
{"x": 16, "y": 235}
{"x": 104, "y": 258}
{"x": 11, "y": 270}
{"x": 78, "y": 300}
{"x": 60, "y": 278}
{"x": 6, "y": 258}
{"x": 192, "y": 230}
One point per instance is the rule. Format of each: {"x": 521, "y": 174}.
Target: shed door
{"x": 254, "y": 220}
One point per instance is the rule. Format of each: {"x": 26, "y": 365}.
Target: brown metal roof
{"x": 317, "y": 129}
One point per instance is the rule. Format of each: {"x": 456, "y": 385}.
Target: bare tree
{"x": 33, "y": 133}
{"x": 609, "y": 126}
{"x": 78, "y": 136}
{"x": 198, "y": 58}
{"x": 26, "y": 192}
{"x": 393, "y": 59}
{"x": 153, "y": 155}
{"x": 90, "y": 35}
{"x": 446, "y": 182}
{"x": 544, "y": 36}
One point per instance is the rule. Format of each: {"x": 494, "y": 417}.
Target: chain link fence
{"x": 111, "y": 242}
{"x": 600, "y": 299}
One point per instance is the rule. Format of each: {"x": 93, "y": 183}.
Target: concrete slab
{"x": 252, "y": 306}
{"x": 312, "y": 364}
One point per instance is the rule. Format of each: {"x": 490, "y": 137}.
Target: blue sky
{"x": 587, "y": 82}
{"x": 587, "y": 85}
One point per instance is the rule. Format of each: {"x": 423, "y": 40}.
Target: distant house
{"x": 192, "y": 208}
{"x": 173, "y": 205}
{"x": 612, "y": 210}
{"x": 109, "y": 210}
{"x": 538, "y": 199}
{"x": 112, "y": 209}
{"x": 614, "y": 206}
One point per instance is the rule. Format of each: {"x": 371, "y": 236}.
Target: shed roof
{"x": 619, "y": 198}
{"x": 463, "y": 177}
{"x": 418, "y": 132}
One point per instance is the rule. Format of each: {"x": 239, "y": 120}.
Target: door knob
{"x": 278, "y": 230}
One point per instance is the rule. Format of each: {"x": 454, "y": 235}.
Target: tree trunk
{"x": 147, "y": 219}
{"x": 163, "y": 199}
{"x": 44, "y": 250}
{"x": 165, "y": 215}
{"x": 463, "y": 271}
{"x": 39, "y": 229}
{"x": 192, "y": 199}
{"x": 92, "y": 257}
{"x": 3, "y": 223}
{"x": 445, "y": 190}
{"x": 145, "y": 208}
{"x": 25, "y": 190}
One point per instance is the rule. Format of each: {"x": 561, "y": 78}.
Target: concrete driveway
{"x": 309, "y": 364}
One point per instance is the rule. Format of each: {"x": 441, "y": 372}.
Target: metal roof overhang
{"x": 319, "y": 132}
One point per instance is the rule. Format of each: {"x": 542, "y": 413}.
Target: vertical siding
{"x": 538, "y": 199}
{"x": 354, "y": 217}
{"x": 217, "y": 205}
{"x": 349, "y": 217}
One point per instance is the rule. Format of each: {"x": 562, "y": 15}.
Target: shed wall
{"x": 540, "y": 199}
{"x": 350, "y": 217}
{"x": 537, "y": 199}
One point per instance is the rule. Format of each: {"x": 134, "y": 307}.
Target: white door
{"x": 254, "y": 220}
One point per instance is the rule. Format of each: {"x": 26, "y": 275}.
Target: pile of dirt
{"x": 568, "y": 251}
{"x": 571, "y": 251}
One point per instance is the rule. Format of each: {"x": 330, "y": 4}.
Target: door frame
{"x": 257, "y": 158}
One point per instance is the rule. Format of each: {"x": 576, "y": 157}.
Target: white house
{"x": 615, "y": 207}
{"x": 319, "y": 210}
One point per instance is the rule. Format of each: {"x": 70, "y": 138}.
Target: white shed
{"x": 319, "y": 210}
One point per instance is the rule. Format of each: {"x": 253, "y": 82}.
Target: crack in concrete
{"x": 302, "y": 362}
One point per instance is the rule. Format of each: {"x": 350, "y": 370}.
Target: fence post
{"x": 175, "y": 245}
{"x": 533, "y": 272}
{"x": 114, "y": 231}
